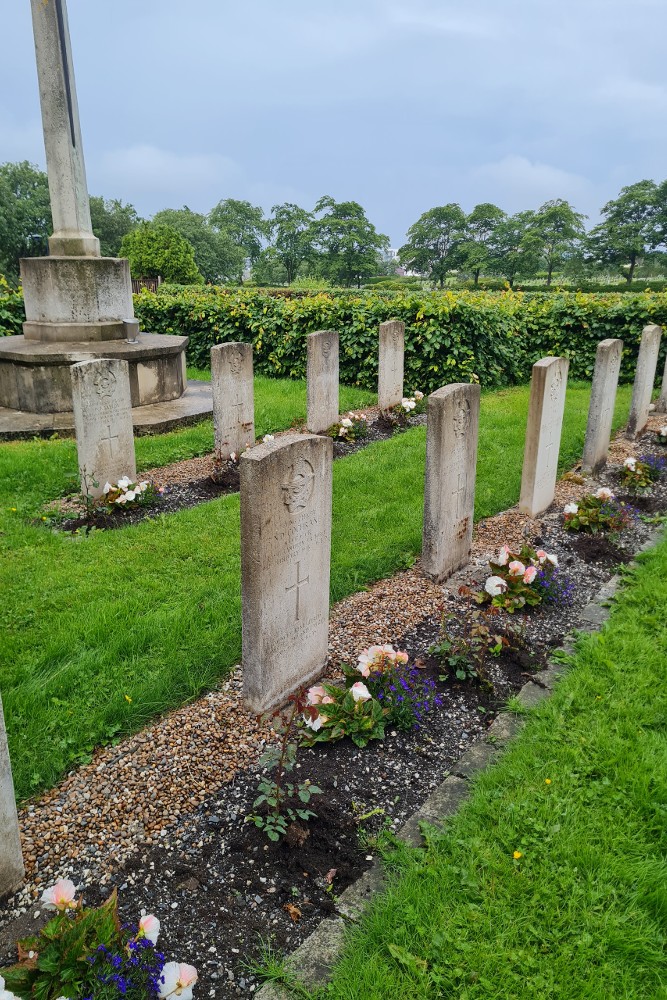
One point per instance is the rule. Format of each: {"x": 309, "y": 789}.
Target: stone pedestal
{"x": 545, "y": 422}
{"x": 286, "y": 489}
{"x": 11, "y": 857}
{"x": 601, "y": 408}
{"x": 647, "y": 362}
{"x": 71, "y": 299}
{"x": 390, "y": 364}
{"x": 233, "y": 399}
{"x": 322, "y": 380}
{"x": 449, "y": 494}
{"x": 103, "y": 421}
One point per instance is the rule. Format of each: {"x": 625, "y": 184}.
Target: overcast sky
{"x": 398, "y": 104}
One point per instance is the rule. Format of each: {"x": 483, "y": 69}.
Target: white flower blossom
{"x": 495, "y": 586}
{"x": 630, "y": 463}
{"x": 107, "y": 488}
{"x": 346, "y": 422}
{"x": 604, "y": 494}
{"x": 268, "y": 438}
{"x": 571, "y": 508}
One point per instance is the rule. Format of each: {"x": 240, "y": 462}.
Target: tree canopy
{"x": 158, "y": 250}
{"x": 25, "y": 215}
{"x": 434, "y": 242}
{"x": 347, "y": 241}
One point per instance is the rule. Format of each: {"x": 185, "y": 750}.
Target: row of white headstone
{"x": 286, "y": 494}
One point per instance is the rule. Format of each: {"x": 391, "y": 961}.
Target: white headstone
{"x": 233, "y": 398}
{"x": 103, "y": 423}
{"x": 647, "y": 362}
{"x": 11, "y": 857}
{"x": 322, "y": 380}
{"x": 449, "y": 494}
{"x": 601, "y": 408}
{"x": 285, "y": 563}
{"x": 390, "y": 364}
{"x": 70, "y": 207}
{"x": 545, "y": 422}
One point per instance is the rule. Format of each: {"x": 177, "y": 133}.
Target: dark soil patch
{"x": 598, "y": 549}
{"x": 644, "y": 503}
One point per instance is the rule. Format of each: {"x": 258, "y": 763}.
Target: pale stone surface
{"x": 103, "y": 422}
{"x": 322, "y": 380}
{"x": 285, "y": 562}
{"x": 449, "y": 495}
{"x": 601, "y": 408}
{"x": 70, "y": 207}
{"x": 390, "y": 364}
{"x": 233, "y": 398}
{"x": 661, "y": 404}
{"x": 647, "y": 362}
{"x": 11, "y": 858}
{"x": 545, "y": 421}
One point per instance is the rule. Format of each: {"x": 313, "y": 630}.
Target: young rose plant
{"x": 528, "y": 577}
{"x": 595, "y": 512}
{"x": 84, "y": 952}
{"x": 125, "y": 494}
{"x": 351, "y": 428}
{"x": 641, "y": 473}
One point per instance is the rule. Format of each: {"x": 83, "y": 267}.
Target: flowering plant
{"x": 409, "y": 406}
{"x": 333, "y": 712}
{"x": 661, "y": 435}
{"x": 595, "y": 512}
{"x": 518, "y": 578}
{"x": 640, "y": 473}
{"x": 84, "y": 952}
{"x": 125, "y": 494}
{"x": 351, "y": 428}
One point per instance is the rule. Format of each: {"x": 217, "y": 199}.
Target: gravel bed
{"x": 160, "y": 815}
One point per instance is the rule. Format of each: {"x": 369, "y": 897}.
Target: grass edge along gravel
{"x": 550, "y": 883}
{"x": 103, "y": 633}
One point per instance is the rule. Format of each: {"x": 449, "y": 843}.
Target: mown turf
{"x": 152, "y": 613}
{"x": 581, "y": 797}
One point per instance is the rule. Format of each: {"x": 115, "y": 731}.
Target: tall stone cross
{"x": 70, "y": 205}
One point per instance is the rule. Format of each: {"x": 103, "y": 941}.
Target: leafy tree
{"x": 348, "y": 242}
{"x": 243, "y": 225}
{"x": 560, "y": 230}
{"x": 216, "y": 256}
{"x": 629, "y": 229}
{"x": 292, "y": 235}
{"x": 160, "y": 251}
{"x": 269, "y": 270}
{"x": 515, "y": 248}
{"x": 480, "y": 226}
{"x": 111, "y": 221}
{"x": 25, "y": 215}
{"x": 434, "y": 242}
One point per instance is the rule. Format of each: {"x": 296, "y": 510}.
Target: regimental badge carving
{"x": 235, "y": 361}
{"x": 105, "y": 383}
{"x": 462, "y": 418}
{"x": 327, "y": 345}
{"x": 396, "y": 337}
{"x": 299, "y": 487}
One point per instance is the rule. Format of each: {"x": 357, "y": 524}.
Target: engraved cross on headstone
{"x": 460, "y": 494}
{"x": 111, "y": 440}
{"x": 297, "y": 586}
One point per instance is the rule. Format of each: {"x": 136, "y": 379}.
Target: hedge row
{"x": 450, "y": 336}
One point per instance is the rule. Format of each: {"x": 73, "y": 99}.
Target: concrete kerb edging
{"x": 314, "y": 959}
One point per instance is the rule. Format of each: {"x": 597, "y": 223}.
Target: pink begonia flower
{"x": 149, "y": 928}
{"x": 315, "y": 694}
{"x": 630, "y": 463}
{"x": 530, "y": 574}
{"x": 604, "y": 494}
{"x": 401, "y": 656}
{"x": 516, "y": 568}
{"x": 495, "y": 586}
{"x": 503, "y": 555}
{"x": 122, "y": 498}
{"x": 60, "y": 896}
{"x": 360, "y": 692}
{"x": 571, "y": 508}
{"x": 177, "y": 980}
{"x": 541, "y": 556}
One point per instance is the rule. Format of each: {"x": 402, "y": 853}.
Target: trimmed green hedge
{"x": 450, "y": 336}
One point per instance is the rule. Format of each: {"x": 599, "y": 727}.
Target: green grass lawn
{"x": 581, "y": 795}
{"x": 152, "y": 613}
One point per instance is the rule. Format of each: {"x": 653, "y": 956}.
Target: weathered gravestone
{"x": 661, "y": 405}
{"x": 601, "y": 408}
{"x": 103, "y": 422}
{"x": 449, "y": 493}
{"x": 545, "y": 421}
{"x": 285, "y": 562}
{"x": 390, "y": 363}
{"x": 11, "y": 858}
{"x": 322, "y": 380}
{"x": 647, "y": 362}
{"x": 233, "y": 398}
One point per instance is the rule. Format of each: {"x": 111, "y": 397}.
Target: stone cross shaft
{"x": 70, "y": 206}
